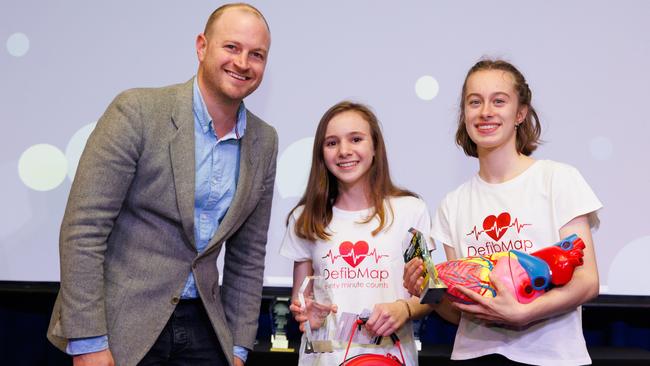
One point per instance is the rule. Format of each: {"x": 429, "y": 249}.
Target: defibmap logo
{"x": 353, "y": 254}
{"x": 495, "y": 227}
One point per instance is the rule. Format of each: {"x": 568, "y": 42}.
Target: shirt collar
{"x": 204, "y": 120}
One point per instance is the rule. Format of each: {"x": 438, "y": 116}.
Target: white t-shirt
{"x": 360, "y": 270}
{"x": 526, "y": 214}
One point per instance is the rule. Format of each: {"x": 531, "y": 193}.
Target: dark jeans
{"x": 187, "y": 339}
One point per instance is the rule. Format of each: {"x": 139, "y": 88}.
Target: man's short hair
{"x": 243, "y": 6}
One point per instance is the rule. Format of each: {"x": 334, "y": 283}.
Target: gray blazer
{"x": 127, "y": 238}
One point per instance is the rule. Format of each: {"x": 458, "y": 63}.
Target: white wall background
{"x": 587, "y": 61}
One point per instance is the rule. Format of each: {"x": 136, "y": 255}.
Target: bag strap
{"x": 358, "y": 324}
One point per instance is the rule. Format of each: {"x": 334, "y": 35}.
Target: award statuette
{"x": 432, "y": 288}
{"x": 279, "y": 313}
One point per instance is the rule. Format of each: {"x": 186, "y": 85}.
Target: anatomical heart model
{"x": 527, "y": 276}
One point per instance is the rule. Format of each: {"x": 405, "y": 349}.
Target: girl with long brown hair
{"x": 349, "y": 228}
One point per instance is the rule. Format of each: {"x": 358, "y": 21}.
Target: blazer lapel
{"x": 182, "y": 158}
{"x": 248, "y": 162}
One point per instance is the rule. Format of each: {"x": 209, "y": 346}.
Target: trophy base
{"x": 432, "y": 295}
{"x": 279, "y": 342}
{"x": 322, "y": 346}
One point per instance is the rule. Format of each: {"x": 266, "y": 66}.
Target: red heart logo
{"x": 353, "y": 253}
{"x": 495, "y": 227}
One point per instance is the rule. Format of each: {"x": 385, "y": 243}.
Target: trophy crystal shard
{"x": 316, "y": 304}
{"x": 433, "y": 288}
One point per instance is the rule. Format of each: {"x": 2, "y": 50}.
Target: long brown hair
{"x": 322, "y": 186}
{"x": 528, "y": 131}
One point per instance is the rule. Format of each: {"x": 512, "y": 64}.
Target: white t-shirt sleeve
{"x": 294, "y": 247}
{"x": 573, "y": 197}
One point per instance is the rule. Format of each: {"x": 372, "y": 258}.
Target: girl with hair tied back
{"x": 514, "y": 199}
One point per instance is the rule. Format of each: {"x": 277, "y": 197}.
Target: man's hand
{"x": 238, "y": 361}
{"x": 100, "y": 358}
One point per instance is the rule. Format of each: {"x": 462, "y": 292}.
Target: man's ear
{"x": 201, "y": 44}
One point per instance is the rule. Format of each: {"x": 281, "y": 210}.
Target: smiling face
{"x": 232, "y": 56}
{"x": 492, "y": 110}
{"x": 348, "y": 149}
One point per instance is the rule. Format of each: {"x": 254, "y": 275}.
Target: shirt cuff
{"x": 80, "y": 346}
{"x": 240, "y": 352}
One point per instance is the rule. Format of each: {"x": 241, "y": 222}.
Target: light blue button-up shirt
{"x": 216, "y": 169}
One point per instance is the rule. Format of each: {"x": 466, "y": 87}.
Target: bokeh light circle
{"x": 76, "y": 146}
{"x": 42, "y": 167}
{"x": 18, "y": 44}
{"x": 293, "y": 168}
{"x": 427, "y": 87}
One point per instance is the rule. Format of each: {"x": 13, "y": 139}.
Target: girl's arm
{"x": 505, "y": 309}
{"x": 386, "y": 318}
{"x": 413, "y": 283}
{"x": 300, "y": 271}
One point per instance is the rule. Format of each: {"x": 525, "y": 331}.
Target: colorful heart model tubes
{"x": 527, "y": 276}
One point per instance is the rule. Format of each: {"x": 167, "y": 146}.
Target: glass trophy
{"x": 326, "y": 329}
{"x": 316, "y": 302}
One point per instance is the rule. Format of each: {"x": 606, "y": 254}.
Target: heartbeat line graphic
{"x": 356, "y": 258}
{"x": 496, "y": 230}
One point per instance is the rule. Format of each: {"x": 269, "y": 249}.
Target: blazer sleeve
{"x": 243, "y": 275}
{"x": 104, "y": 175}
